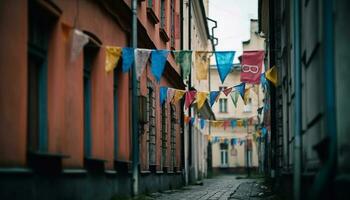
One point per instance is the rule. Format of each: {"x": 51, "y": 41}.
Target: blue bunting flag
{"x": 163, "y": 93}
{"x": 128, "y": 58}
{"x": 158, "y": 59}
{"x": 224, "y": 62}
{"x": 241, "y": 89}
{"x": 213, "y": 97}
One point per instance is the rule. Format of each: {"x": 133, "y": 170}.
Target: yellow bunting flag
{"x": 271, "y": 75}
{"x": 201, "y": 97}
{"x": 112, "y": 57}
{"x": 246, "y": 96}
{"x": 202, "y": 65}
{"x": 239, "y": 123}
{"x": 256, "y": 89}
{"x": 178, "y": 95}
{"x": 217, "y": 123}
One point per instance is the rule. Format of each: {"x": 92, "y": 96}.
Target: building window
{"x": 173, "y": 136}
{"x": 40, "y": 24}
{"x": 151, "y": 124}
{"x": 222, "y": 88}
{"x": 172, "y": 23}
{"x": 164, "y": 134}
{"x": 248, "y": 107}
{"x": 90, "y": 53}
{"x": 163, "y": 14}
{"x": 224, "y": 154}
{"x": 223, "y": 105}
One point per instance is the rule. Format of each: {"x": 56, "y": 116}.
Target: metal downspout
{"x": 297, "y": 72}
{"x": 134, "y": 100}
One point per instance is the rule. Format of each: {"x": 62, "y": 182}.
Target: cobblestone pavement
{"x": 217, "y": 188}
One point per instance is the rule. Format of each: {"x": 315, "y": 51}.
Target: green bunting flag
{"x": 184, "y": 59}
{"x": 234, "y": 97}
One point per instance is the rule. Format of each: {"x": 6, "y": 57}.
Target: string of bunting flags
{"x": 251, "y": 61}
{"x": 244, "y": 122}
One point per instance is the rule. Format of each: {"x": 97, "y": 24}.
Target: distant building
{"x": 196, "y": 37}
{"x": 227, "y": 157}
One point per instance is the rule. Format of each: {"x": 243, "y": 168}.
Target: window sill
{"x": 94, "y": 164}
{"x": 163, "y": 35}
{"x": 152, "y": 15}
{"x": 145, "y": 172}
{"x": 122, "y": 165}
{"x": 45, "y": 162}
{"x": 74, "y": 171}
{"x": 15, "y": 170}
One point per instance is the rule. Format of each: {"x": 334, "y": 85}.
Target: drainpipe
{"x": 324, "y": 179}
{"x": 297, "y": 72}
{"x": 134, "y": 100}
{"x": 190, "y": 156}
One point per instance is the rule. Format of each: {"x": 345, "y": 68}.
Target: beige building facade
{"x": 225, "y": 155}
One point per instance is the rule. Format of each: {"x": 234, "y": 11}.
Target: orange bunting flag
{"x": 187, "y": 119}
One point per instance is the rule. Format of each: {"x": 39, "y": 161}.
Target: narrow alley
{"x": 224, "y": 187}
{"x": 174, "y": 99}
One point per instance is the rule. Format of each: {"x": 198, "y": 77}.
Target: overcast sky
{"x": 233, "y": 17}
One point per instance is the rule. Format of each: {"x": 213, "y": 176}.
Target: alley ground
{"x": 226, "y": 187}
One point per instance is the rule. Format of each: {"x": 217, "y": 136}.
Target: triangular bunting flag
{"x": 163, "y": 93}
{"x": 158, "y": 59}
{"x": 239, "y": 123}
{"x": 217, "y": 123}
{"x": 79, "y": 40}
{"x": 202, "y": 65}
{"x": 202, "y": 123}
{"x": 233, "y": 123}
{"x": 234, "y": 97}
{"x": 141, "y": 59}
{"x": 213, "y": 97}
{"x": 184, "y": 59}
{"x": 246, "y": 96}
{"x": 127, "y": 58}
{"x": 264, "y": 82}
{"x": 224, "y": 62}
{"x": 170, "y": 94}
{"x": 271, "y": 75}
{"x": 189, "y": 98}
{"x": 178, "y": 94}
{"x": 201, "y": 97}
{"x": 226, "y": 124}
{"x": 256, "y": 89}
{"x": 252, "y": 62}
{"x": 241, "y": 89}
{"x": 112, "y": 57}
{"x": 227, "y": 91}
{"x": 191, "y": 121}
{"x": 186, "y": 119}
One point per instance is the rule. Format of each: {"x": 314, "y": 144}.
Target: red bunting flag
{"x": 252, "y": 62}
{"x": 189, "y": 98}
{"x": 227, "y": 91}
{"x": 226, "y": 124}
